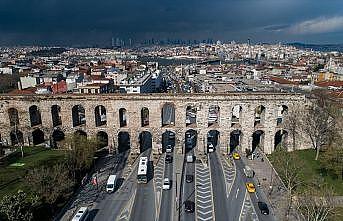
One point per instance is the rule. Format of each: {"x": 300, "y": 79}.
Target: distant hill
{"x": 318, "y": 47}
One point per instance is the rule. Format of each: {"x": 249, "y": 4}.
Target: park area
{"x": 14, "y": 168}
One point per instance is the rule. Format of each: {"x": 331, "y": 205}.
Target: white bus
{"x": 142, "y": 176}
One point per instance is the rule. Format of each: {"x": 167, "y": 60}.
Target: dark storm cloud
{"x": 95, "y": 22}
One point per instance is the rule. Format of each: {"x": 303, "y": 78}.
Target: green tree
{"x": 50, "y": 183}
{"x": 18, "y": 207}
{"x": 80, "y": 153}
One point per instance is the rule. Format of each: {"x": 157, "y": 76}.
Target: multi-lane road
{"x": 217, "y": 190}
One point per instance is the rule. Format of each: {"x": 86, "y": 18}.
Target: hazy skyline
{"x": 88, "y": 22}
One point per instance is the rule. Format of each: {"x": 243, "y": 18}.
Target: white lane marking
{"x": 256, "y": 195}
{"x": 237, "y": 193}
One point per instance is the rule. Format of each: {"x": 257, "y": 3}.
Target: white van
{"x": 189, "y": 158}
{"x": 111, "y": 183}
{"x": 81, "y": 214}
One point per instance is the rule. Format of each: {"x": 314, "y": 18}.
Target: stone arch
{"x": 35, "y": 116}
{"x": 236, "y": 115}
{"x": 191, "y": 138}
{"x": 102, "y": 139}
{"x": 145, "y": 141}
{"x": 100, "y": 116}
{"x": 280, "y": 139}
{"x": 213, "y": 115}
{"x": 37, "y": 137}
{"x": 260, "y": 113}
{"x": 123, "y": 141}
{"x": 168, "y": 138}
{"x": 282, "y": 112}
{"x": 78, "y": 115}
{"x": 168, "y": 114}
{"x": 236, "y": 137}
{"x": 17, "y": 137}
{"x": 144, "y": 117}
{"x": 80, "y": 133}
{"x": 257, "y": 140}
{"x": 191, "y": 115}
{"x": 13, "y": 117}
{"x": 213, "y": 138}
{"x": 56, "y": 137}
{"x": 56, "y": 115}
{"x": 122, "y": 117}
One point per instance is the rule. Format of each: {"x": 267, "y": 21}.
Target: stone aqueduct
{"x": 251, "y": 119}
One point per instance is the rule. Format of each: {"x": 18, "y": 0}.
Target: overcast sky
{"x": 89, "y": 22}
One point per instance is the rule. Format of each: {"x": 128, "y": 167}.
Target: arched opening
{"x": 212, "y": 140}
{"x": 236, "y": 115}
{"x": 145, "y": 141}
{"x": 122, "y": 117}
{"x": 100, "y": 116}
{"x": 80, "y": 133}
{"x": 57, "y": 136}
{"x": 282, "y": 112}
{"x": 280, "y": 139}
{"x": 123, "y": 141}
{"x": 145, "y": 117}
{"x": 35, "y": 116}
{"x": 17, "y": 137}
{"x": 37, "y": 137}
{"x": 168, "y": 139}
{"x": 168, "y": 115}
{"x": 191, "y": 115}
{"x": 79, "y": 116}
{"x": 257, "y": 140}
{"x": 235, "y": 140}
{"x": 102, "y": 139}
{"x": 55, "y": 114}
{"x": 259, "y": 115}
{"x": 13, "y": 117}
{"x": 191, "y": 137}
{"x": 213, "y": 115}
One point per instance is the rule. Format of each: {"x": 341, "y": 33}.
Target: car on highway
{"x": 81, "y": 214}
{"x": 169, "y": 159}
{"x": 166, "y": 184}
{"x": 189, "y": 206}
{"x": 250, "y": 187}
{"x": 169, "y": 148}
{"x": 236, "y": 156}
{"x": 189, "y": 178}
{"x": 263, "y": 208}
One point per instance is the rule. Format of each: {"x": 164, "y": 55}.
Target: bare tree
{"x": 293, "y": 123}
{"x": 319, "y": 126}
{"x": 316, "y": 204}
{"x": 50, "y": 183}
{"x": 290, "y": 170}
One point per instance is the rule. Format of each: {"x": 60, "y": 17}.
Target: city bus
{"x": 142, "y": 176}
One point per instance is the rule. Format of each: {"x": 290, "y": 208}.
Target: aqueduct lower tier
{"x": 243, "y": 120}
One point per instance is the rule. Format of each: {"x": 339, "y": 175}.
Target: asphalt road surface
{"x": 166, "y": 209}
{"x": 218, "y": 188}
{"x": 188, "y": 189}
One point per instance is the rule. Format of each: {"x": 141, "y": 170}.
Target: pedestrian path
{"x": 204, "y": 198}
{"x": 248, "y": 212}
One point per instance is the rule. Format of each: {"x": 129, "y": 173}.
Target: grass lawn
{"x": 313, "y": 168}
{"x": 12, "y": 175}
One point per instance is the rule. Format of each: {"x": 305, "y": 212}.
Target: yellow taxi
{"x": 236, "y": 156}
{"x": 250, "y": 187}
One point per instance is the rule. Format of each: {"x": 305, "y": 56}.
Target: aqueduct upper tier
{"x": 245, "y": 120}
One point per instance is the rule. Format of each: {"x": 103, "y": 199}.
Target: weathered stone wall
{"x": 154, "y": 102}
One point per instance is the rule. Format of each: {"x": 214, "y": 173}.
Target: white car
{"x": 210, "y": 148}
{"x": 166, "y": 184}
{"x": 81, "y": 214}
{"x": 169, "y": 149}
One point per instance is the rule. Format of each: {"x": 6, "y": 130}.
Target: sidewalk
{"x": 270, "y": 183}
